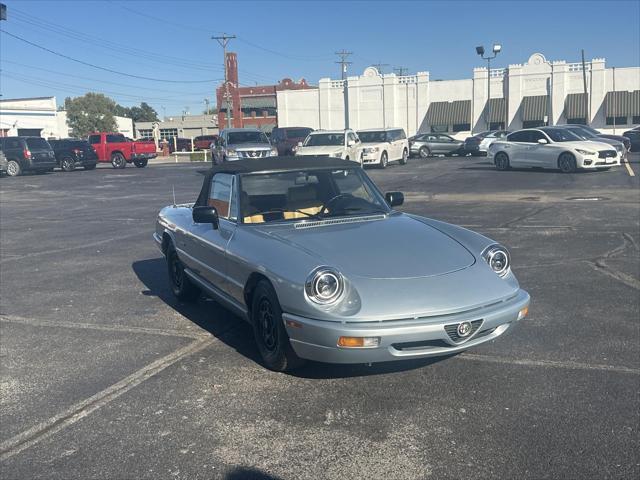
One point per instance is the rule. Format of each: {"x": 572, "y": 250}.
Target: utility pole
{"x": 206, "y": 102}
{"x": 223, "y": 40}
{"x": 401, "y": 71}
{"x": 586, "y": 95}
{"x": 343, "y": 54}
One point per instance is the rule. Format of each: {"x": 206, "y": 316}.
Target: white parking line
{"x": 629, "y": 169}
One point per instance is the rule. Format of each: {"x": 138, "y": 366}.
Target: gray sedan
{"x": 316, "y": 259}
{"x": 429, "y": 144}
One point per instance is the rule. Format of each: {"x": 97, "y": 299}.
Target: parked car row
{"x": 35, "y": 154}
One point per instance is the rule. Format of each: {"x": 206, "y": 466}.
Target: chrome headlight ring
{"x": 498, "y": 259}
{"x": 324, "y": 286}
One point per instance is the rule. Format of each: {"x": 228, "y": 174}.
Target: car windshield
{"x": 373, "y": 137}
{"x": 583, "y": 134}
{"x": 324, "y": 139}
{"x": 590, "y": 130}
{"x": 561, "y": 135}
{"x": 308, "y": 194}
{"x": 37, "y": 143}
{"x": 234, "y": 138}
{"x": 298, "y": 132}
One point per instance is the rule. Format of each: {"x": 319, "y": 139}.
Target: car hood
{"x": 391, "y": 247}
{"x": 250, "y": 146}
{"x": 324, "y": 150}
{"x": 609, "y": 141}
{"x": 588, "y": 145}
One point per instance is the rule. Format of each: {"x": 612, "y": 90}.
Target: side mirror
{"x": 351, "y": 143}
{"x": 299, "y": 144}
{"x": 394, "y": 199}
{"x": 206, "y": 215}
{"x": 542, "y": 141}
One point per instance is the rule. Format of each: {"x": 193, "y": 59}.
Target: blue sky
{"x": 170, "y": 40}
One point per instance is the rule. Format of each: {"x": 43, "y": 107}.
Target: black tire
{"x": 424, "y": 152}
{"x": 405, "y": 157}
{"x": 384, "y": 160}
{"x": 91, "y": 166}
{"x": 67, "y": 164}
{"x": 567, "y": 163}
{"x": 347, "y": 158}
{"x": 501, "y": 161}
{"x": 141, "y": 163}
{"x": 269, "y": 332}
{"x": 181, "y": 285}
{"x": 118, "y": 160}
{"x": 13, "y": 168}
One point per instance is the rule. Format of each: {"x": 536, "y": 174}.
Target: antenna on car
{"x": 174, "y": 195}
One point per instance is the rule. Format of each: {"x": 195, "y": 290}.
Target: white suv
{"x": 343, "y": 144}
{"x": 384, "y": 145}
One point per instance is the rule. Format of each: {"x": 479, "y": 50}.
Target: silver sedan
{"x": 429, "y": 144}
{"x": 323, "y": 267}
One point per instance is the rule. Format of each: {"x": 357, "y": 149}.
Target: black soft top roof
{"x": 270, "y": 164}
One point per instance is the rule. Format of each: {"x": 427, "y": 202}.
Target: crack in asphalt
{"x": 600, "y": 264}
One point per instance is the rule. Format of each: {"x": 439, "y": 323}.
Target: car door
{"x": 448, "y": 144}
{"x": 393, "y": 136}
{"x": 98, "y": 146}
{"x": 209, "y": 245}
{"x": 516, "y": 148}
{"x": 540, "y": 155}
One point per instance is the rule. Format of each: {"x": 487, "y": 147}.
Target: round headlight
{"x": 498, "y": 259}
{"x": 324, "y": 285}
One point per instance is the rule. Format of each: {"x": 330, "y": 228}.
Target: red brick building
{"x": 251, "y": 106}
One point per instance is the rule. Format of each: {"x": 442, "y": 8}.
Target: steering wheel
{"x": 325, "y": 207}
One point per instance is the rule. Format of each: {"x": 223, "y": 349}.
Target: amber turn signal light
{"x": 359, "y": 342}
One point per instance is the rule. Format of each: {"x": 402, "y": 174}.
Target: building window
{"x": 461, "y": 127}
{"x": 439, "y": 128}
{"x": 145, "y": 133}
{"x": 533, "y": 123}
{"x": 636, "y": 119}
{"x": 496, "y": 126}
{"x": 166, "y": 133}
{"x": 577, "y": 121}
{"x": 616, "y": 120}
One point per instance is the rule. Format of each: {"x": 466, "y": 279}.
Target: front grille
{"x": 606, "y": 153}
{"x": 452, "y": 331}
{"x": 420, "y": 345}
{"x": 253, "y": 153}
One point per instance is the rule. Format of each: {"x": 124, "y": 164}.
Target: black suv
{"x": 27, "y": 154}
{"x": 73, "y": 152}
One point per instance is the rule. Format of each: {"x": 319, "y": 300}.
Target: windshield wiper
{"x": 283, "y": 210}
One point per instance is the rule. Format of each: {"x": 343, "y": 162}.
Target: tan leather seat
{"x": 303, "y": 198}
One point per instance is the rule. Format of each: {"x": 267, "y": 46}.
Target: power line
{"x": 99, "y": 67}
{"x": 379, "y": 66}
{"x": 401, "y": 71}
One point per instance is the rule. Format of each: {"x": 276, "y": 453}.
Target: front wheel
{"x": 405, "y": 156}
{"x": 67, "y": 164}
{"x": 118, "y": 160}
{"x": 141, "y": 163}
{"x": 13, "y": 168}
{"x": 384, "y": 160}
{"x": 567, "y": 163}
{"x": 502, "y": 161}
{"x": 269, "y": 332}
{"x": 181, "y": 286}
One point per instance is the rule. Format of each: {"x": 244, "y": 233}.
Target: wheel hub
{"x": 268, "y": 326}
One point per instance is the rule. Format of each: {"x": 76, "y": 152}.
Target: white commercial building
{"x": 538, "y": 92}
{"x": 40, "y": 117}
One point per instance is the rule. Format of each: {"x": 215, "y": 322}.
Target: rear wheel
{"x": 502, "y": 161}
{"x": 268, "y": 329}
{"x": 384, "y": 160}
{"x": 141, "y": 163}
{"x": 118, "y": 160}
{"x": 181, "y": 286}
{"x": 567, "y": 163}
{"x": 67, "y": 164}
{"x": 13, "y": 168}
{"x": 424, "y": 152}
{"x": 405, "y": 156}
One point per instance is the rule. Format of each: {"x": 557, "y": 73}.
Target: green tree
{"x": 143, "y": 113}
{"x": 93, "y": 112}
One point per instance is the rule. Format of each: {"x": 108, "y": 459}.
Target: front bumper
{"x": 401, "y": 339}
{"x": 373, "y": 157}
{"x": 593, "y": 161}
{"x": 142, "y": 156}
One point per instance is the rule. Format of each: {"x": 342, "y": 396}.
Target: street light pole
{"x": 480, "y": 51}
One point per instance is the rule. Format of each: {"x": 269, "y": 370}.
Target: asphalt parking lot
{"x": 104, "y": 375}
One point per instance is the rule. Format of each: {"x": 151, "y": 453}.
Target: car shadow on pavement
{"x": 237, "y": 334}
{"x": 249, "y": 473}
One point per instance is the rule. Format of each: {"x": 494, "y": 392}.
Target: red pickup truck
{"x": 119, "y": 150}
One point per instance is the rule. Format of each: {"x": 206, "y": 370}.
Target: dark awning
{"x": 620, "y": 104}
{"x": 535, "y": 108}
{"x": 449, "y": 113}
{"x": 574, "y": 106}
{"x": 498, "y": 110}
{"x": 258, "y": 102}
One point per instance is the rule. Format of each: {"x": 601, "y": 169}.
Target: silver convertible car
{"x": 310, "y": 252}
